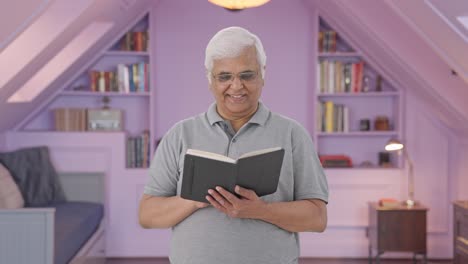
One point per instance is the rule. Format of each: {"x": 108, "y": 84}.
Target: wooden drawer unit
{"x": 460, "y": 230}
{"x": 399, "y": 228}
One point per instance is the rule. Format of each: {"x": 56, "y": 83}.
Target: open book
{"x": 257, "y": 170}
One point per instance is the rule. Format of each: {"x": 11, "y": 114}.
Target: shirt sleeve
{"x": 163, "y": 171}
{"x": 310, "y": 181}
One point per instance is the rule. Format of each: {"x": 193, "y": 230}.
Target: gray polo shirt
{"x": 211, "y": 237}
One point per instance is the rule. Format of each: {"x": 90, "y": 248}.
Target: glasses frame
{"x": 239, "y": 75}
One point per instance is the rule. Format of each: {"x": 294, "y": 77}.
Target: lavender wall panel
{"x": 459, "y": 168}
{"x": 427, "y": 142}
{"x": 180, "y": 34}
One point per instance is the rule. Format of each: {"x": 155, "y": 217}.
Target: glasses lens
{"x": 224, "y": 77}
{"x": 247, "y": 76}
{"x": 243, "y": 76}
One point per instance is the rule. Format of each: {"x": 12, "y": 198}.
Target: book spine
{"x": 101, "y": 82}
{"x": 130, "y": 78}
{"x": 147, "y": 81}
{"x": 141, "y": 77}
{"x": 329, "y": 116}
{"x": 129, "y": 152}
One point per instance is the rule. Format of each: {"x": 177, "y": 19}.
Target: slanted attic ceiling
{"x": 118, "y": 13}
{"x": 19, "y": 17}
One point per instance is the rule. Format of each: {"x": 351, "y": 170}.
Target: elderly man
{"x": 241, "y": 227}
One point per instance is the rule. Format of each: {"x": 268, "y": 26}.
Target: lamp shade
{"x": 238, "y": 4}
{"x": 394, "y": 145}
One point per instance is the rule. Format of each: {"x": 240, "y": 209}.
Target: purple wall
{"x": 180, "y": 33}
{"x": 182, "y": 30}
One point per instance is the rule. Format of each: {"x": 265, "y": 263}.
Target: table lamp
{"x": 396, "y": 145}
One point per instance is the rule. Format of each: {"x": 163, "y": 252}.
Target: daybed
{"x": 57, "y": 224}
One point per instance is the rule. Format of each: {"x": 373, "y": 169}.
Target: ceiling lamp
{"x": 238, "y": 4}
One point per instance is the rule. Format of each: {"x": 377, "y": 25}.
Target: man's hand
{"x": 293, "y": 216}
{"x": 248, "y": 206}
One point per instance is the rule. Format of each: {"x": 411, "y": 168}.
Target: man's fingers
{"x": 215, "y": 204}
{"x": 219, "y": 198}
{"x": 247, "y": 193}
{"x": 231, "y": 198}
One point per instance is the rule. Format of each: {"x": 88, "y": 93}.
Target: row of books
{"x": 70, "y": 119}
{"x": 327, "y": 41}
{"x": 134, "y": 41}
{"x": 138, "y": 151}
{"x": 332, "y": 117}
{"x": 340, "y": 77}
{"x": 126, "y": 79}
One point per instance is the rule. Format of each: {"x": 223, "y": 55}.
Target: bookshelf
{"x": 121, "y": 75}
{"x": 357, "y": 109}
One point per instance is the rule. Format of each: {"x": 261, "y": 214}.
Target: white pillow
{"x": 10, "y": 195}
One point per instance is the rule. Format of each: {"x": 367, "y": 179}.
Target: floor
{"x": 302, "y": 261}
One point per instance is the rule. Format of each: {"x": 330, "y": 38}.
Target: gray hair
{"x": 229, "y": 43}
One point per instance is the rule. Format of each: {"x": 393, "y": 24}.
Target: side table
{"x": 397, "y": 228}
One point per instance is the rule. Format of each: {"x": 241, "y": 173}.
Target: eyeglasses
{"x": 225, "y": 78}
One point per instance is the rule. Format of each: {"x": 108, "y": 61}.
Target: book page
{"x": 209, "y": 155}
{"x": 258, "y": 152}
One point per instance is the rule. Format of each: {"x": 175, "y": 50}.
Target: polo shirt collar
{"x": 213, "y": 116}
{"x": 260, "y": 117}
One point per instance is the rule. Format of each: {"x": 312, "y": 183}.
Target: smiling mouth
{"x": 237, "y": 98}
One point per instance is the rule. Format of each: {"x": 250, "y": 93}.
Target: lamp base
{"x": 410, "y": 203}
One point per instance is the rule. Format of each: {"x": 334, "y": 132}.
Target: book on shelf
{"x": 125, "y": 79}
{"x": 134, "y": 41}
{"x": 335, "y": 161}
{"x": 327, "y": 41}
{"x": 70, "y": 119}
{"x": 332, "y": 117}
{"x": 340, "y": 77}
{"x": 138, "y": 150}
{"x": 257, "y": 170}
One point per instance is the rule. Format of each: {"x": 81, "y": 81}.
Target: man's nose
{"x": 237, "y": 83}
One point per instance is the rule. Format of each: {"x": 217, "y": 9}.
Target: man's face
{"x": 237, "y": 84}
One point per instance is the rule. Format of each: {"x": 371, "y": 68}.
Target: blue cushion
{"x": 75, "y": 223}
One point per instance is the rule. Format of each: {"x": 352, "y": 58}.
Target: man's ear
{"x": 264, "y": 74}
